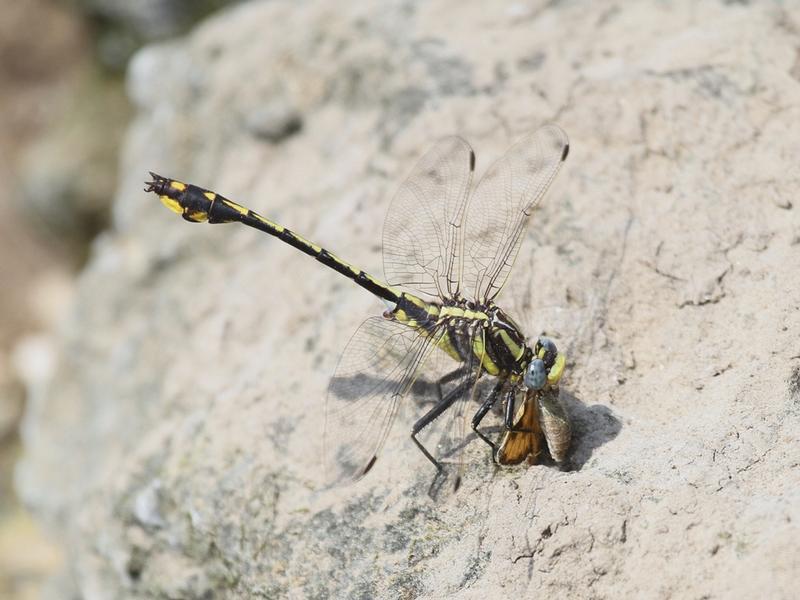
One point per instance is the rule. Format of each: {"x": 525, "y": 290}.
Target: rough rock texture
{"x": 177, "y": 448}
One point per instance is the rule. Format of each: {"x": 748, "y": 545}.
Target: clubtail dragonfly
{"x": 447, "y": 253}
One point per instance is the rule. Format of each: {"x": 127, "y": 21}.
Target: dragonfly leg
{"x": 484, "y": 410}
{"x": 430, "y": 416}
{"x": 451, "y": 376}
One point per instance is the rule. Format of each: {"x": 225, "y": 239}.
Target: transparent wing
{"x": 374, "y": 372}
{"x": 448, "y": 437}
{"x": 501, "y": 206}
{"x": 468, "y": 404}
{"x": 422, "y": 233}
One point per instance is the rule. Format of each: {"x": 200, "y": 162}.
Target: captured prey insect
{"x": 447, "y": 252}
{"x": 541, "y": 415}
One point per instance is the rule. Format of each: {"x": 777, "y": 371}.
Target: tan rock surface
{"x": 178, "y": 446}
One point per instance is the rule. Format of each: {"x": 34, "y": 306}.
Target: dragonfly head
{"x": 546, "y": 366}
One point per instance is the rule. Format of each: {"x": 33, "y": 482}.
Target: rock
{"x": 272, "y": 122}
{"x": 176, "y": 448}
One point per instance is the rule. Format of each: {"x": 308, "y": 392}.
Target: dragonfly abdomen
{"x": 416, "y": 312}
{"x": 197, "y": 205}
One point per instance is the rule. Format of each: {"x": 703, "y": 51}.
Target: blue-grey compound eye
{"x": 546, "y": 350}
{"x": 535, "y": 375}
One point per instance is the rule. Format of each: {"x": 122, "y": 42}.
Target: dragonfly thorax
{"x": 507, "y": 341}
{"x": 469, "y": 332}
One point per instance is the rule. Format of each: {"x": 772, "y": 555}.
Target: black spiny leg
{"x": 430, "y": 416}
{"x": 439, "y": 385}
{"x": 484, "y": 410}
{"x": 449, "y": 377}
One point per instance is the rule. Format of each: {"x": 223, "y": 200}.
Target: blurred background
{"x": 63, "y": 112}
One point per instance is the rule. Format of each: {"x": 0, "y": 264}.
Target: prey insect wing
{"x": 540, "y": 419}
{"x": 422, "y": 235}
{"x": 376, "y": 369}
{"x": 554, "y": 423}
{"x": 500, "y": 209}
{"x": 523, "y": 441}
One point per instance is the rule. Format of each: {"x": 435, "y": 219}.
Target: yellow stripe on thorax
{"x": 447, "y": 346}
{"x": 516, "y": 350}
{"x": 479, "y": 349}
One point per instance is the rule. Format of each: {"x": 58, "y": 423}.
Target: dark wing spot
{"x": 471, "y": 160}
{"x": 369, "y": 466}
{"x": 565, "y": 153}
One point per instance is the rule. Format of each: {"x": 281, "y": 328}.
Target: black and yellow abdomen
{"x": 198, "y": 205}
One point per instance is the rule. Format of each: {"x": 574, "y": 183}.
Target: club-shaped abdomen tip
{"x": 156, "y": 183}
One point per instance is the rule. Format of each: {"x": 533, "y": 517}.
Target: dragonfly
{"x": 448, "y": 250}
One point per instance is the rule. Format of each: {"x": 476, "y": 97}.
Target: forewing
{"x": 422, "y": 233}
{"x": 374, "y": 372}
{"x": 501, "y": 206}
